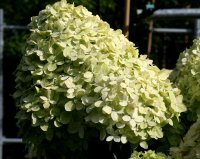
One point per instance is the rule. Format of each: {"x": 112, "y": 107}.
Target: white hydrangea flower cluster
{"x": 186, "y": 75}
{"x": 79, "y": 72}
{"x": 149, "y": 155}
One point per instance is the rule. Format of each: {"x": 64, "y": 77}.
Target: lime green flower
{"x": 148, "y": 155}
{"x": 186, "y": 75}
{"x": 79, "y": 73}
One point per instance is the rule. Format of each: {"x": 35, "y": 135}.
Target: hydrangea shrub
{"x": 78, "y": 74}
{"x": 190, "y": 146}
{"x": 186, "y": 75}
{"x": 148, "y": 155}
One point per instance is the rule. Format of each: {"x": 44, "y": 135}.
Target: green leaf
{"x": 65, "y": 118}
{"x": 102, "y": 134}
{"x": 73, "y": 128}
{"x": 49, "y": 134}
{"x": 81, "y": 132}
